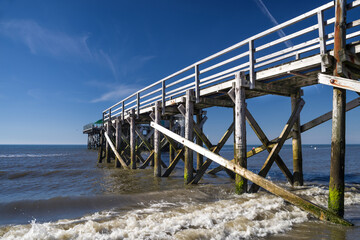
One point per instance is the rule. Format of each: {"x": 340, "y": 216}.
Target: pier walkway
{"x": 322, "y": 47}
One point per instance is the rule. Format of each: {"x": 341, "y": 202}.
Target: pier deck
{"x": 324, "y": 49}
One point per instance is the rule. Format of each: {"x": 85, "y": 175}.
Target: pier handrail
{"x": 309, "y": 42}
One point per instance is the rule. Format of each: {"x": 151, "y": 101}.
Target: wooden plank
{"x": 122, "y": 162}
{"x": 339, "y": 82}
{"x": 277, "y": 147}
{"x": 312, "y": 208}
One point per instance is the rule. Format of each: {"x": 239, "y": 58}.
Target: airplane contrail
{"x": 267, "y": 13}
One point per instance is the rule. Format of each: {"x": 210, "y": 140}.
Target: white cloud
{"x": 117, "y": 93}
{"x": 267, "y": 13}
{"x": 40, "y": 40}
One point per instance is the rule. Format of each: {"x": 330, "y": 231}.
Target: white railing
{"x": 258, "y": 52}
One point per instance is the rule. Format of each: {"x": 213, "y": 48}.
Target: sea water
{"x": 60, "y": 192}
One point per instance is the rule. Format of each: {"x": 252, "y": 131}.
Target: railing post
{"x": 251, "y": 64}
{"x": 322, "y": 37}
{"x": 110, "y": 114}
{"x": 137, "y": 105}
{"x": 197, "y": 84}
{"x": 163, "y": 97}
{"x": 123, "y": 111}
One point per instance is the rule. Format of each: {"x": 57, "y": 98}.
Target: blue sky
{"x": 64, "y": 62}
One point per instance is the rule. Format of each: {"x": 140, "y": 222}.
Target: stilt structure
{"x": 227, "y": 79}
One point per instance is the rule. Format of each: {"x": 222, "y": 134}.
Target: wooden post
{"x": 132, "y": 140}
{"x": 157, "y": 153}
{"x": 171, "y": 148}
{"x": 240, "y": 132}
{"x": 108, "y": 130}
{"x": 101, "y": 147}
{"x": 296, "y": 144}
{"x": 189, "y": 118}
{"x": 118, "y": 140}
{"x": 337, "y": 167}
{"x": 199, "y": 157}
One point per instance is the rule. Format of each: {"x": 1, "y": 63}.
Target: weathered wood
{"x": 339, "y": 82}
{"x": 201, "y": 171}
{"x": 118, "y": 134}
{"x": 148, "y": 160}
{"x": 107, "y": 153}
{"x": 122, "y": 162}
{"x": 101, "y": 147}
{"x": 240, "y": 132}
{"x": 327, "y": 116}
{"x": 337, "y": 166}
{"x": 317, "y": 211}
{"x": 172, "y": 147}
{"x": 132, "y": 140}
{"x": 189, "y": 119}
{"x": 172, "y": 165}
{"x": 277, "y": 147}
{"x": 196, "y": 128}
{"x": 197, "y": 83}
{"x": 322, "y": 39}
{"x": 157, "y": 153}
{"x": 296, "y": 145}
{"x": 199, "y": 157}
{"x": 265, "y": 141}
{"x": 211, "y": 102}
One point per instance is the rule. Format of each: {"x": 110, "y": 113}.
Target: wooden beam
{"x": 196, "y": 129}
{"x": 337, "y": 163}
{"x": 277, "y": 147}
{"x": 172, "y": 165}
{"x": 157, "y": 154}
{"x": 122, "y": 162}
{"x": 211, "y": 102}
{"x": 339, "y": 82}
{"x": 308, "y": 206}
{"x": 265, "y": 141}
{"x": 199, "y": 157}
{"x": 296, "y": 144}
{"x": 148, "y": 160}
{"x": 132, "y": 140}
{"x": 240, "y": 132}
{"x": 189, "y": 125}
{"x": 201, "y": 171}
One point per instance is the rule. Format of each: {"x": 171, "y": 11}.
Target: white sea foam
{"x": 246, "y": 216}
{"x": 31, "y": 155}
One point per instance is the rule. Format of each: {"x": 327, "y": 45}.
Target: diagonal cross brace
{"x": 216, "y": 150}
{"x": 282, "y": 138}
{"x": 265, "y": 141}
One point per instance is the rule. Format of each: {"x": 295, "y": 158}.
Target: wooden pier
{"x": 326, "y": 50}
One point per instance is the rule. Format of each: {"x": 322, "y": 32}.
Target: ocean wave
{"x": 246, "y": 216}
{"x": 23, "y": 155}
